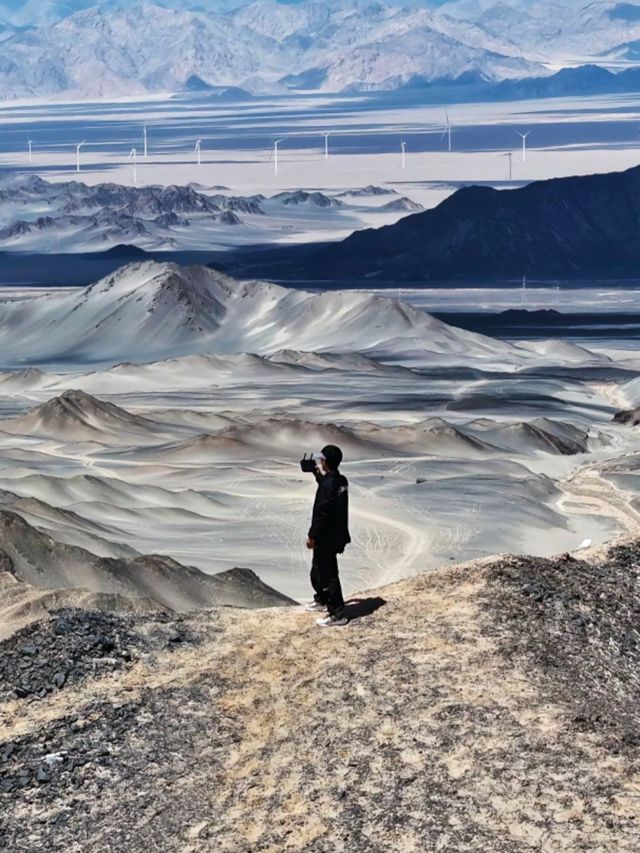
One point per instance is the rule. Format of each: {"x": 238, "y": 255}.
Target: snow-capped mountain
{"x": 422, "y": 54}
{"x": 557, "y": 31}
{"x": 106, "y": 51}
{"x": 147, "y": 311}
{"x": 137, "y": 49}
{"x": 112, "y": 49}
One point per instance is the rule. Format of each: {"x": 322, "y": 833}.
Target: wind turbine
{"x": 78, "y": 147}
{"x": 30, "y": 153}
{"x": 134, "y": 157}
{"x": 509, "y": 154}
{"x": 197, "y": 149}
{"x": 276, "y": 142}
{"x": 524, "y": 144}
{"x": 524, "y": 290}
{"x": 403, "y": 147}
{"x": 447, "y": 130}
{"x": 326, "y": 135}
{"x": 144, "y": 138}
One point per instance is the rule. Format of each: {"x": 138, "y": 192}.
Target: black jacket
{"x": 330, "y": 520}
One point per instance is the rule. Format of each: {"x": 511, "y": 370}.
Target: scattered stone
{"x": 42, "y": 776}
{"x": 72, "y": 645}
{"x": 582, "y": 634}
{"x": 178, "y": 637}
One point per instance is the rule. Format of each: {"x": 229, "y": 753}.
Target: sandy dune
{"x": 456, "y": 445}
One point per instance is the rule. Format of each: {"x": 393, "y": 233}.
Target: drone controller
{"x": 308, "y": 465}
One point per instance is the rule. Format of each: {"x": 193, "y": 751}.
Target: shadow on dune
{"x": 357, "y": 607}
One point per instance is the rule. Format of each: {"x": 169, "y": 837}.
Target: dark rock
{"x": 42, "y": 775}
{"x": 62, "y": 625}
{"x": 106, "y": 643}
{"x": 7, "y": 752}
{"x": 77, "y": 644}
{"x": 177, "y": 637}
{"x": 631, "y": 417}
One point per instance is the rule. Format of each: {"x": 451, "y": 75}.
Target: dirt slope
{"x": 486, "y": 707}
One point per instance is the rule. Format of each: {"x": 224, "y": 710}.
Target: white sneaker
{"x": 316, "y": 607}
{"x": 332, "y": 622}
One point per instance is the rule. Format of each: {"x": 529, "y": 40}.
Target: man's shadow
{"x": 355, "y": 608}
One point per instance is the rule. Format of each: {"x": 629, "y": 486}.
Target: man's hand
{"x": 311, "y": 544}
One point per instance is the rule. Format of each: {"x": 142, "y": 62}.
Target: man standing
{"x": 328, "y": 536}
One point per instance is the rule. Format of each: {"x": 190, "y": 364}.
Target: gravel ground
{"x": 486, "y": 707}
{"x": 576, "y": 623}
{"x": 75, "y": 645}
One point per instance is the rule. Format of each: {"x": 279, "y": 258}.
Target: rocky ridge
{"x": 487, "y": 706}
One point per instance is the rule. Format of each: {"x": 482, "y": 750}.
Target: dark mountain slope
{"x": 578, "y": 227}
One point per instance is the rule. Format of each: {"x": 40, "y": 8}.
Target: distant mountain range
{"x": 263, "y": 47}
{"x": 111, "y": 49}
{"x": 578, "y": 227}
{"x": 580, "y": 81}
{"x": 584, "y": 80}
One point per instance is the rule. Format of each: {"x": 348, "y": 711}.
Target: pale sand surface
{"x": 456, "y": 444}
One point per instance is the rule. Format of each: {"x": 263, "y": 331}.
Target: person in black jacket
{"x": 328, "y": 536}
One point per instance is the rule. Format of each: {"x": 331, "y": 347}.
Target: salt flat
{"x": 568, "y": 136}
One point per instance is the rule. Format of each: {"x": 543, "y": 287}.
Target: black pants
{"x": 325, "y": 580}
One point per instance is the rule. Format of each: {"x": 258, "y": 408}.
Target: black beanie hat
{"x": 333, "y": 455}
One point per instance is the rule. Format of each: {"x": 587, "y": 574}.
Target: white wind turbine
{"x": 524, "y": 144}
{"x": 326, "y": 135}
{"x": 447, "y": 131}
{"x": 276, "y": 142}
{"x": 509, "y": 154}
{"x": 133, "y": 156}
{"x": 144, "y": 139}
{"x": 197, "y": 149}
{"x": 524, "y": 290}
{"x": 403, "y": 148}
{"x": 78, "y": 147}
{"x": 29, "y": 143}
